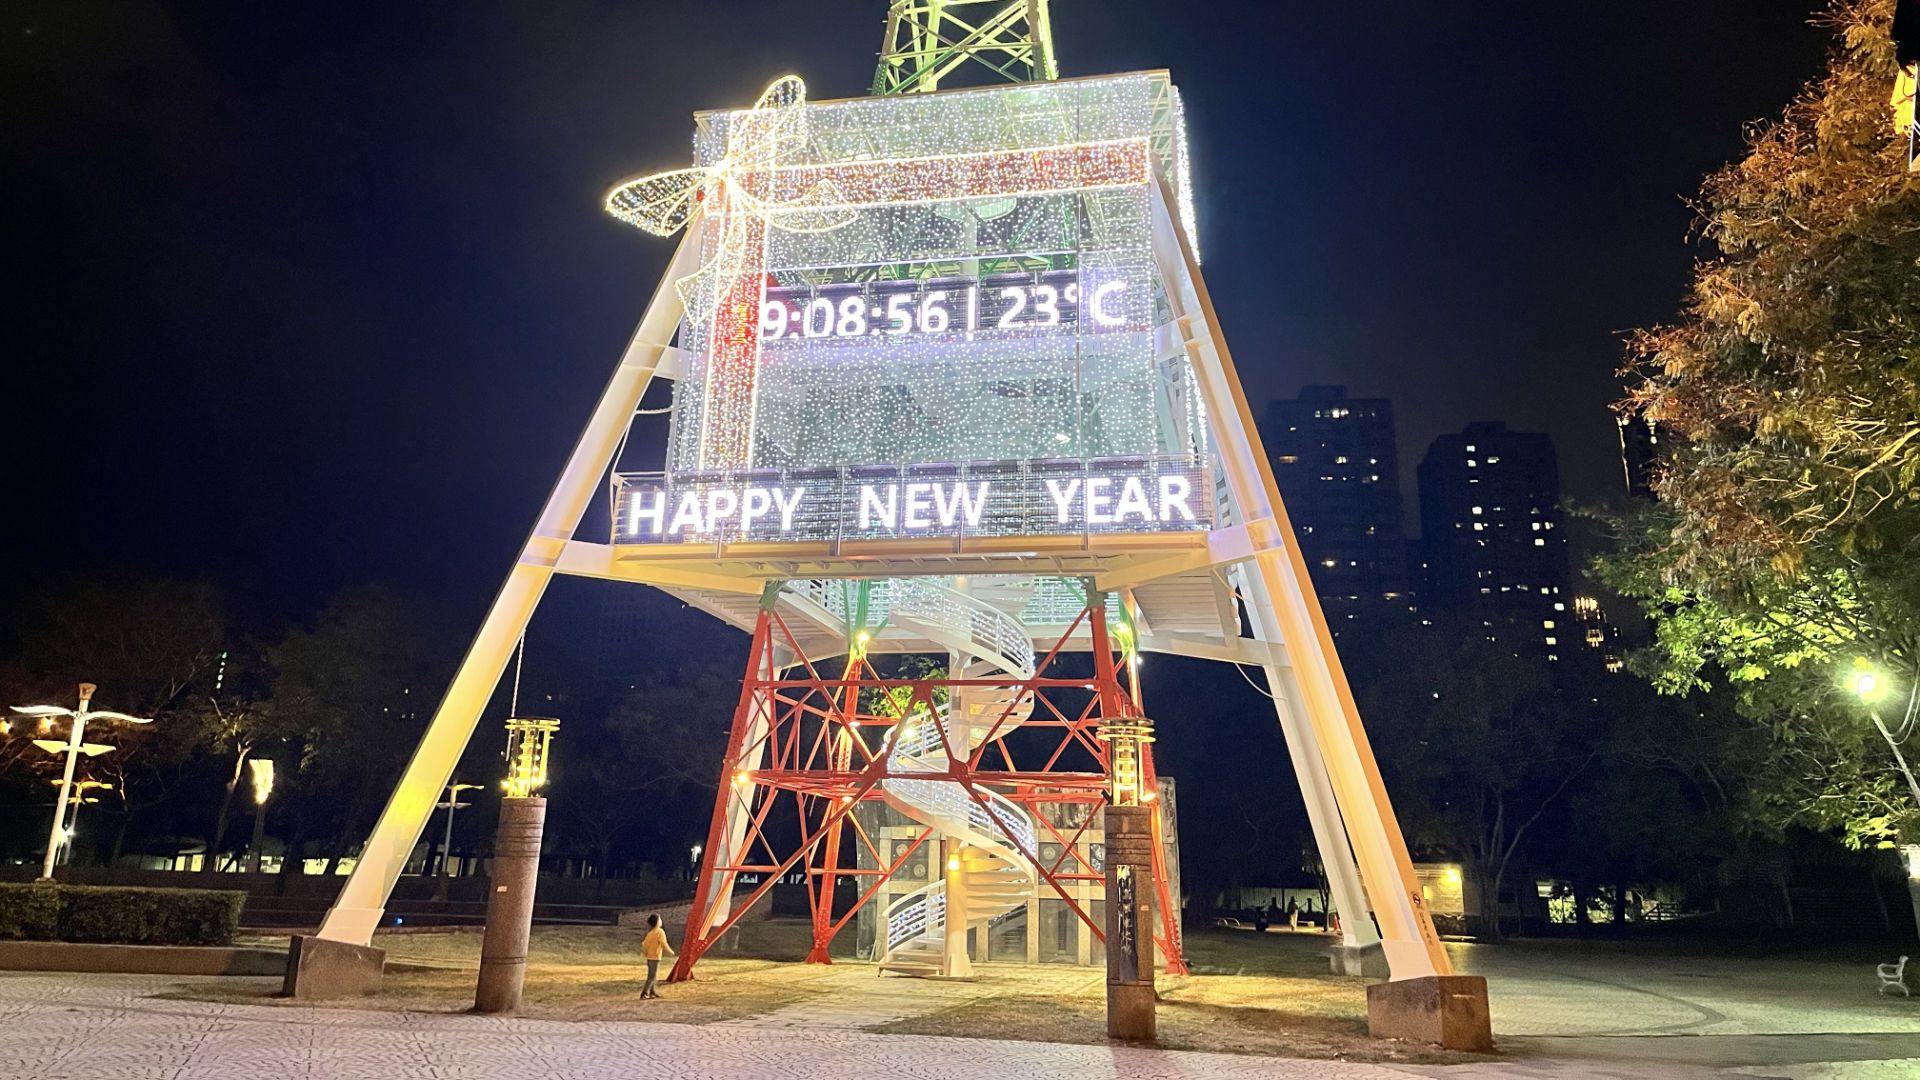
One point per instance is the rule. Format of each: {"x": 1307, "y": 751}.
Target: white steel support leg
{"x": 1310, "y": 771}
{"x": 1411, "y": 947}
{"x": 356, "y": 913}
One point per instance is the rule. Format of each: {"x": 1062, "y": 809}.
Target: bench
{"x": 1893, "y": 977}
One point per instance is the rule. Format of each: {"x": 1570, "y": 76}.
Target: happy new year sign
{"x": 986, "y": 499}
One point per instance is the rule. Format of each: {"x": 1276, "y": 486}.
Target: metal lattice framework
{"x": 927, "y": 40}
{"x": 808, "y": 748}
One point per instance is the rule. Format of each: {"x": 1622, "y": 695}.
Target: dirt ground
{"x": 1254, "y": 994}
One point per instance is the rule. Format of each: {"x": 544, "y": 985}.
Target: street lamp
{"x": 260, "y": 771}
{"x": 529, "y": 738}
{"x": 453, "y": 803}
{"x": 73, "y": 748}
{"x": 1870, "y": 686}
{"x": 71, "y": 827}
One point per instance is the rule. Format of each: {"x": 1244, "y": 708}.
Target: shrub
{"x": 119, "y": 915}
{"x": 140, "y": 916}
{"x": 29, "y": 912}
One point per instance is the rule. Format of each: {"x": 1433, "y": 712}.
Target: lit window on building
{"x": 1539, "y": 541}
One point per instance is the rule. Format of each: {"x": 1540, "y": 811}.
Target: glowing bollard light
{"x": 515, "y": 866}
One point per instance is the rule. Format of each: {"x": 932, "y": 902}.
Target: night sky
{"x": 305, "y": 295}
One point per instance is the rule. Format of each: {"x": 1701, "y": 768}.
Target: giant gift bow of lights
{"x": 933, "y": 193}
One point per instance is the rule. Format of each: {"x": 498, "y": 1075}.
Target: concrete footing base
{"x": 1368, "y": 961}
{"x": 1130, "y": 1013}
{"x": 319, "y": 969}
{"x": 1444, "y": 1010}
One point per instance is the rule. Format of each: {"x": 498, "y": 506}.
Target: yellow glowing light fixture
{"x": 1865, "y": 682}
{"x": 1124, "y": 737}
{"x": 529, "y": 739}
{"x": 261, "y": 772}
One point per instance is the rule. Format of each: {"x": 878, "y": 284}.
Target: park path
{"x": 117, "y": 1027}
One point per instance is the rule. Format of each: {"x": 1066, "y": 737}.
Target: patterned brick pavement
{"x": 116, "y": 1027}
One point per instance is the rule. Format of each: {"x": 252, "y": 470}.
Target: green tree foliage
{"x": 1788, "y": 395}
{"x": 356, "y": 689}
{"x": 1477, "y": 744}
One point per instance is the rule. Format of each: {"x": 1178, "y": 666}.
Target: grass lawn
{"x": 1249, "y": 993}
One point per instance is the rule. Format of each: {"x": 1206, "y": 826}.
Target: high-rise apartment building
{"x": 1337, "y": 462}
{"x": 1495, "y": 541}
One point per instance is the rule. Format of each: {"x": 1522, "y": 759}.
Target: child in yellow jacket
{"x": 652, "y": 947}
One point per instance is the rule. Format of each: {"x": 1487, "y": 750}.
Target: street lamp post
{"x": 262, "y": 776}
{"x": 446, "y": 843}
{"x": 1870, "y": 686}
{"x": 73, "y": 749}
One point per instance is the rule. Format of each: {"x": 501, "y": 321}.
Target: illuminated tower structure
{"x": 929, "y": 40}
{"x": 946, "y": 380}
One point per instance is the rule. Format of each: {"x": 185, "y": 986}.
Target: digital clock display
{"x": 1000, "y": 303}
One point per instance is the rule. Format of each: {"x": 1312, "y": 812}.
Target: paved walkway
{"x": 113, "y": 1027}
{"x": 1622, "y": 1017}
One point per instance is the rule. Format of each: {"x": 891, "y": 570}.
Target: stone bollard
{"x": 516, "y": 869}
{"x": 1130, "y": 952}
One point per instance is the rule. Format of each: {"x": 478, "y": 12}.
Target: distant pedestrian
{"x": 653, "y": 946}
{"x": 1293, "y": 913}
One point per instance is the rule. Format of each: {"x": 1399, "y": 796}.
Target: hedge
{"x": 29, "y": 912}
{"x": 119, "y": 915}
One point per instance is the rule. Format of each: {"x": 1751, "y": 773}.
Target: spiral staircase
{"x": 974, "y": 620}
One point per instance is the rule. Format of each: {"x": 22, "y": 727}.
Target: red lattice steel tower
{"x": 807, "y": 748}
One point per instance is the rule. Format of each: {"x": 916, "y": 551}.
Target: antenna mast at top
{"x": 927, "y": 40}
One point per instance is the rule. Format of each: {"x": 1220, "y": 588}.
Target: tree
{"x": 235, "y": 720}
{"x": 1477, "y": 743}
{"x": 653, "y": 762}
{"x": 356, "y": 689}
{"x": 1788, "y": 395}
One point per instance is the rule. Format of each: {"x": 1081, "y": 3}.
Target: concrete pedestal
{"x": 318, "y": 969}
{"x": 1130, "y": 952}
{"x": 1367, "y": 961}
{"x": 1444, "y": 1010}
{"x": 516, "y": 868}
